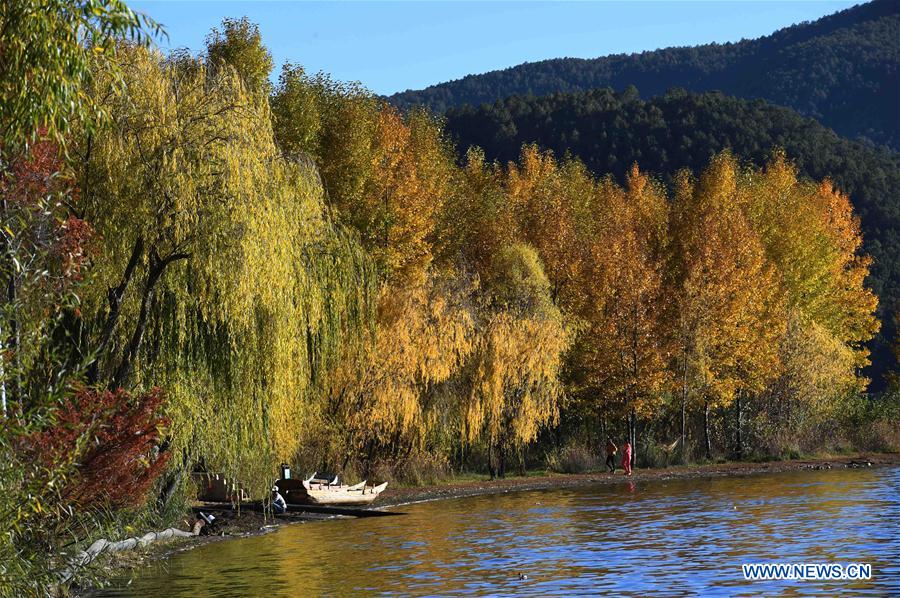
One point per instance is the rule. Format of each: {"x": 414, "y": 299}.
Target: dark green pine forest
{"x": 841, "y": 70}
{"x": 838, "y": 75}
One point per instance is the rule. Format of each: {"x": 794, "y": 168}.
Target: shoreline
{"x": 249, "y": 523}
{"x": 405, "y": 495}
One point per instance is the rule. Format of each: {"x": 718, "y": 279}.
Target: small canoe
{"x": 320, "y": 492}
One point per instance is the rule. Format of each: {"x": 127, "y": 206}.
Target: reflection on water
{"x": 680, "y": 537}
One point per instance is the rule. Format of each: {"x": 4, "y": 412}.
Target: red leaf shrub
{"x": 39, "y": 195}
{"x": 112, "y": 439}
{"x": 34, "y": 175}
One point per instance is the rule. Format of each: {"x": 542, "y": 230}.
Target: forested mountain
{"x": 841, "y": 69}
{"x": 610, "y": 131}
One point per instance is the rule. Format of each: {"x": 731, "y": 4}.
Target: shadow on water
{"x": 679, "y": 537}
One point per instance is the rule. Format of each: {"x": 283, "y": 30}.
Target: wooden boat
{"x": 317, "y": 491}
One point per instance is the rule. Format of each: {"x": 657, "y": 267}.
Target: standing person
{"x": 626, "y": 457}
{"x": 611, "y": 450}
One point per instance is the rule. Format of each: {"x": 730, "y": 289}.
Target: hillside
{"x": 843, "y": 70}
{"x": 610, "y": 131}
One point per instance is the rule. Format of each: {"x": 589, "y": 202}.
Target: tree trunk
{"x": 706, "y": 440}
{"x": 2, "y": 377}
{"x": 632, "y": 433}
{"x": 684, "y": 393}
{"x": 369, "y": 455}
{"x": 491, "y": 460}
{"x": 114, "y": 297}
{"x": 170, "y": 487}
{"x": 6, "y": 250}
{"x": 604, "y": 433}
{"x": 739, "y": 446}
{"x": 13, "y": 392}
{"x": 157, "y": 266}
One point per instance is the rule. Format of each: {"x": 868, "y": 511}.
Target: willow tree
{"x": 382, "y": 401}
{"x": 219, "y": 276}
{"x": 388, "y": 177}
{"x": 516, "y": 386}
{"x": 48, "y": 49}
{"x": 238, "y": 45}
{"x": 729, "y": 320}
{"x": 44, "y": 67}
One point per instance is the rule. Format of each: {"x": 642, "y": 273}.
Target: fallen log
{"x": 85, "y": 557}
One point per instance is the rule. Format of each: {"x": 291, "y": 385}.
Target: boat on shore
{"x": 320, "y": 491}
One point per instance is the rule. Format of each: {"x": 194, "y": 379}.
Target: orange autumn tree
{"x": 552, "y": 205}
{"x": 385, "y": 174}
{"x": 729, "y": 317}
{"x": 603, "y": 247}
{"x": 410, "y": 180}
{"x": 811, "y": 234}
{"x": 520, "y": 338}
{"x": 422, "y": 334}
{"x": 388, "y": 176}
{"x": 629, "y": 335}
{"x": 556, "y": 209}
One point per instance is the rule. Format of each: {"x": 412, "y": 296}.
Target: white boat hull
{"x": 324, "y": 494}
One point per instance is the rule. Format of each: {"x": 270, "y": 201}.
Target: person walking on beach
{"x": 611, "y": 450}
{"x": 626, "y": 457}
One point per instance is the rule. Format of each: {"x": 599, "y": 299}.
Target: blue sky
{"x": 393, "y": 46}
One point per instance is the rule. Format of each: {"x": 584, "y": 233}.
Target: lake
{"x": 677, "y": 537}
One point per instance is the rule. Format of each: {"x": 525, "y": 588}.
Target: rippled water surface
{"x": 680, "y": 537}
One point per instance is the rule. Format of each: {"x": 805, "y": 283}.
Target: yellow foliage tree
{"x": 628, "y": 331}
{"x": 378, "y": 404}
{"x": 516, "y": 386}
{"x": 729, "y": 317}
{"x": 219, "y": 275}
{"x": 478, "y": 220}
{"x": 811, "y": 235}
{"x": 386, "y": 175}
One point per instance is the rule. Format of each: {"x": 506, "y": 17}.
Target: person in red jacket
{"x": 626, "y": 457}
